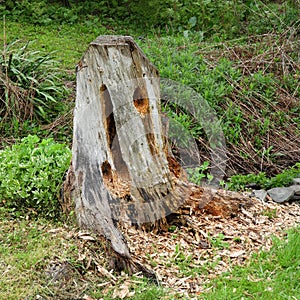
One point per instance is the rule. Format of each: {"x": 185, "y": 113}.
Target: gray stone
{"x": 296, "y": 189}
{"x": 296, "y": 181}
{"x": 281, "y": 194}
{"x": 260, "y": 194}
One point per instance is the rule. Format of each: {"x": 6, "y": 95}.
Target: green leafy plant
{"x": 198, "y": 174}
{"x": 270, "y": 213}
{"x": 218, "y": 241}
{"x": 31, "y": 173}
{"x": 241, "y": 182}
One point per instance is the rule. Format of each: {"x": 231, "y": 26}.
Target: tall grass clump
{"x": 29, "y": 85}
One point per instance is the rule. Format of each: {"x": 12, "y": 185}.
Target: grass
{"x": 274, "y": 274}
{"x": 69, "y": 42}
{"x": 25, "y": 247}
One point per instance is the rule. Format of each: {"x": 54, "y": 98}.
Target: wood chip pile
{"x": 189, "y": 255}
{"x": 196, "y": 248}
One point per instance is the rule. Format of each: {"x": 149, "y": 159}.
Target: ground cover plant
{"x": 242, "y": 57}
{"x": 31, "y": 173}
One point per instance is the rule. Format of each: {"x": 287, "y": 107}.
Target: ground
{"x": 63, "y": 262}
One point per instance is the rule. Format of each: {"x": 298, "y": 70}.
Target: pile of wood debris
{"x": 200, "y": 246}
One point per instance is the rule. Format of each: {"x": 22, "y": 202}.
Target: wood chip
{"x": 241, "y": 235}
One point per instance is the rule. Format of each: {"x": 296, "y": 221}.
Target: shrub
{"x": 31, "y": 173}
{"x": 222, "y": 19}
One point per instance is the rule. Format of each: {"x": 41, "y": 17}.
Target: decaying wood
{"x": 217, "y": 202}
{"x": 122, "y": 169}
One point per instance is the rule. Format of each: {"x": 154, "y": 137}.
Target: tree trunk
{"x": 122, "y": 169}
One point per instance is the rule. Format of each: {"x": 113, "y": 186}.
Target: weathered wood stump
{"x": 122, "y": 169}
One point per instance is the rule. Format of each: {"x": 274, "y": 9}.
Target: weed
{"x": 198, "y": 174}
{"x": 270, "y": 213}
{"x": 172, "y": 228}
{"x": 218, "y": 241}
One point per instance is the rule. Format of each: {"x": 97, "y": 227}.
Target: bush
{"x": 31, "y": 173}
{"x": 225, "y": 19}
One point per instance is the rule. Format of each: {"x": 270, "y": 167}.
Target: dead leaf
{"x": 122, "y": 291}
{"x": 237, "y": 253}
{"x": 86, "y": 297}
{"x": 85, "y": 236}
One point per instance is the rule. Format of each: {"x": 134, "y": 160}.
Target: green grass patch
{"x": 25, "y": 249}
{"x": 68, "y": 42}
{"x": 267, "y": 275}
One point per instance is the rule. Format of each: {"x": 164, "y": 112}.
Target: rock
{"x": 260, "y": 194}
{"x": 296, "y": 189}
{"x": 281, "y": 194}
{"x": 296, "y": 181}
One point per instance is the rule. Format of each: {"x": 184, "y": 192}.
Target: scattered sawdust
{"x": 210, "y": 244}
{"x": 197, "y": 248}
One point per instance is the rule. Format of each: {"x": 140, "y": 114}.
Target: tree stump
{"x": 122, "y": 169}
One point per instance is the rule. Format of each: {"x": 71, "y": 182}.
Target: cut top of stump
{"x": 120, "y": 41}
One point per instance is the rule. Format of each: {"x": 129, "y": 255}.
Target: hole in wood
{"x": 109, "y": 119}
{"x": 174, "y": 166}
{"x": 111, "y": 135}
{"x": 141, "y": 101}
{"x": 141, "y": 104}
{"x": 106, "y": 172}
